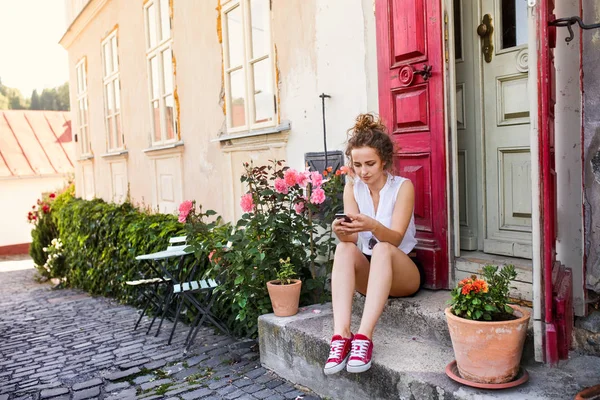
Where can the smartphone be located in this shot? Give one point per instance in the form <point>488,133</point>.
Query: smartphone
<point>343,216</point>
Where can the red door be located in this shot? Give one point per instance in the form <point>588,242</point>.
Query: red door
<point>558,282</point>
<point>411,104</point>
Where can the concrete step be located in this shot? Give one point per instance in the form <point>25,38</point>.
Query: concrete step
<point>423,316</point>
<point>409,361</point>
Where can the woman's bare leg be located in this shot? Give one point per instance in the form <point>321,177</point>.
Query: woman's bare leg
<point>392,273</point>
<point>349,265</point>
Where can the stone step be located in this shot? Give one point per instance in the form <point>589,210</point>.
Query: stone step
<point>405,365</point>
<point>423,316</point>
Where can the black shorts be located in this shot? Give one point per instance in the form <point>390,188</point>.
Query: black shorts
<point>419,267</point>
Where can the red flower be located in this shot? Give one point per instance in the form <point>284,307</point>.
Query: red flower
<point>52,195</point>
<point>46,208</point>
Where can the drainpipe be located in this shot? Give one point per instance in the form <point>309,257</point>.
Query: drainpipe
<point>536,226</point>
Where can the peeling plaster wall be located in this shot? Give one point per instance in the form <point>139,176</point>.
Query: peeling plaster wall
<point>324,46</point>
<point>198,84</point>
<point>321,46</point>
<point>591,146</point>
<point>569,244</point>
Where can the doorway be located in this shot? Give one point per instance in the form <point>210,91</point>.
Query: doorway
<point>493,135</point>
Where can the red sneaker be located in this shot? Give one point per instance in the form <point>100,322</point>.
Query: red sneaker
<point>338,354</point>
<point>360,356</point>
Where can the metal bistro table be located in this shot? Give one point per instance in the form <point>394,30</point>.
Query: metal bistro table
<point>183,287</point>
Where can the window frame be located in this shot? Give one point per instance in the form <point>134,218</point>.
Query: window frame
<point>83,124</point>
<point>112,78</point>
<point>247,67</point>
<point>156,51</point>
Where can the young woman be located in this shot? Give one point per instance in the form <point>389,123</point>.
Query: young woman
<point>372,256</point>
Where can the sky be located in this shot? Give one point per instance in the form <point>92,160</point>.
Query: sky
<point>30,56</point>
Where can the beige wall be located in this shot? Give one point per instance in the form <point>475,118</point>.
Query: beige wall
<point>305,35</point>
<point>17,196</point>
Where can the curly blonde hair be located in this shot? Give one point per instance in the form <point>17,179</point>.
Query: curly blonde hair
<point>369,131</point>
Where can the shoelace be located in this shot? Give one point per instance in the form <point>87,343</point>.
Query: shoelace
<point>359,348</point>
<point>336,349</point>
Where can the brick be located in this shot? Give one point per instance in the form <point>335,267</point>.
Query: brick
<point>153,384</point>
<point>253,388</point>
<point>263,394</point>
<point>144,378</point>
<point>113,387</point>
<point>256,373</point>
<point>197,394</point>
<point>242,382</point>
<point>155,365</point>
<point>87,384</point>
<point>86,394</point>
<point>115,376</point>
<point>53,392</point>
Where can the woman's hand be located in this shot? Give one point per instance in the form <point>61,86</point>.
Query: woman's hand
<point>360,223</point>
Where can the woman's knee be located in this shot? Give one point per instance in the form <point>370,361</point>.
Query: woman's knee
<point>346,252</point>
<point>345,249</point>
<point>383,249</point>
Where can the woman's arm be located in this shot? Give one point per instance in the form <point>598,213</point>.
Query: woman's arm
<point>403,211</point>
<point>350,207</point>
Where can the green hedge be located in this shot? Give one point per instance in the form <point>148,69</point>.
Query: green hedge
<point>101,241</point>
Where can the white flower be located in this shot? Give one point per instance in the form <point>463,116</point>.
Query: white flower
<point>45,249</point>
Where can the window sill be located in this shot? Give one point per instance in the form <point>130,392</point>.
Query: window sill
<point>283,126</point>
<point>164,147</point>
<point>118,153</point>
<point>86,157</point>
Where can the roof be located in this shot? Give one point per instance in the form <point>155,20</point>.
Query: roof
<point>35,143</point>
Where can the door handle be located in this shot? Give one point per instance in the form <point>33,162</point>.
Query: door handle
<point>425,72</point>
<point>485,30</point>
<point>407,74</point>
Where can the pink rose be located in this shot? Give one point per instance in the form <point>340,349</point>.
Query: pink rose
<point>317,196</point>
<point>302,178</point>
<point>299,207</point>
<point>184,210</point>
<point>247,203</point>
<point>316,179</point>
<point>290,177</point>
<point>281,186</point>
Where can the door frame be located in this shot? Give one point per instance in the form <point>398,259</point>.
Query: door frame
<point>535,145</point>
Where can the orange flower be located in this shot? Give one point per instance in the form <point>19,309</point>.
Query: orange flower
<point>329,169</point>
<point>325,173</point>
<point>466,289</point>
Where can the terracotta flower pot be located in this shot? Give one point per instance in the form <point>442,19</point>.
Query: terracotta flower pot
<point>284,298</point>
<point>488,351</point>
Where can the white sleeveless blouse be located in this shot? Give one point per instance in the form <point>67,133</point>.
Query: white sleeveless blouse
<point>387,200</point>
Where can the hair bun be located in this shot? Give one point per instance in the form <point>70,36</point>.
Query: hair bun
<point>368,122</point>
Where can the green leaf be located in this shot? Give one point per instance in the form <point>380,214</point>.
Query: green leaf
<point>239,279</point>
<point>508,309</point>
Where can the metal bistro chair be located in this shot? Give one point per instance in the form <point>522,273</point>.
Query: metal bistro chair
<point>174,252</point>
<point>187,289</point>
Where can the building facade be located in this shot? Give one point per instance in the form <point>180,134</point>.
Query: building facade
<point>493,112</point>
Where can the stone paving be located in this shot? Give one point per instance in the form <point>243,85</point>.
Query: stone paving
<point>65,344</point>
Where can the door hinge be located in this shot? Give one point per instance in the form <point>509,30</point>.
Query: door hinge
<point>446,41</point>
<point>75,138</point>
<point>275,103</point>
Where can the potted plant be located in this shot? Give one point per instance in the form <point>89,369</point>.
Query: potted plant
<point>284,291</point>
<point>487,333</point>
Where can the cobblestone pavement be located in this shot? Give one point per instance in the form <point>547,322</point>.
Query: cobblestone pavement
<point>65,344</point>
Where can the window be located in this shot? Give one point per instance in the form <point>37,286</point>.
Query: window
<point>160,71</point>
<point>82,107</point>
<point>248,65</point>
<point>112,93</point>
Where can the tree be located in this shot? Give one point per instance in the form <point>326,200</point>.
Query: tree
<point>62,97</point>
<point>15,99</point>
<point>35,101</point>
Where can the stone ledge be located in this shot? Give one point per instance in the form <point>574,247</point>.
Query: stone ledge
<point>404,366</point>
